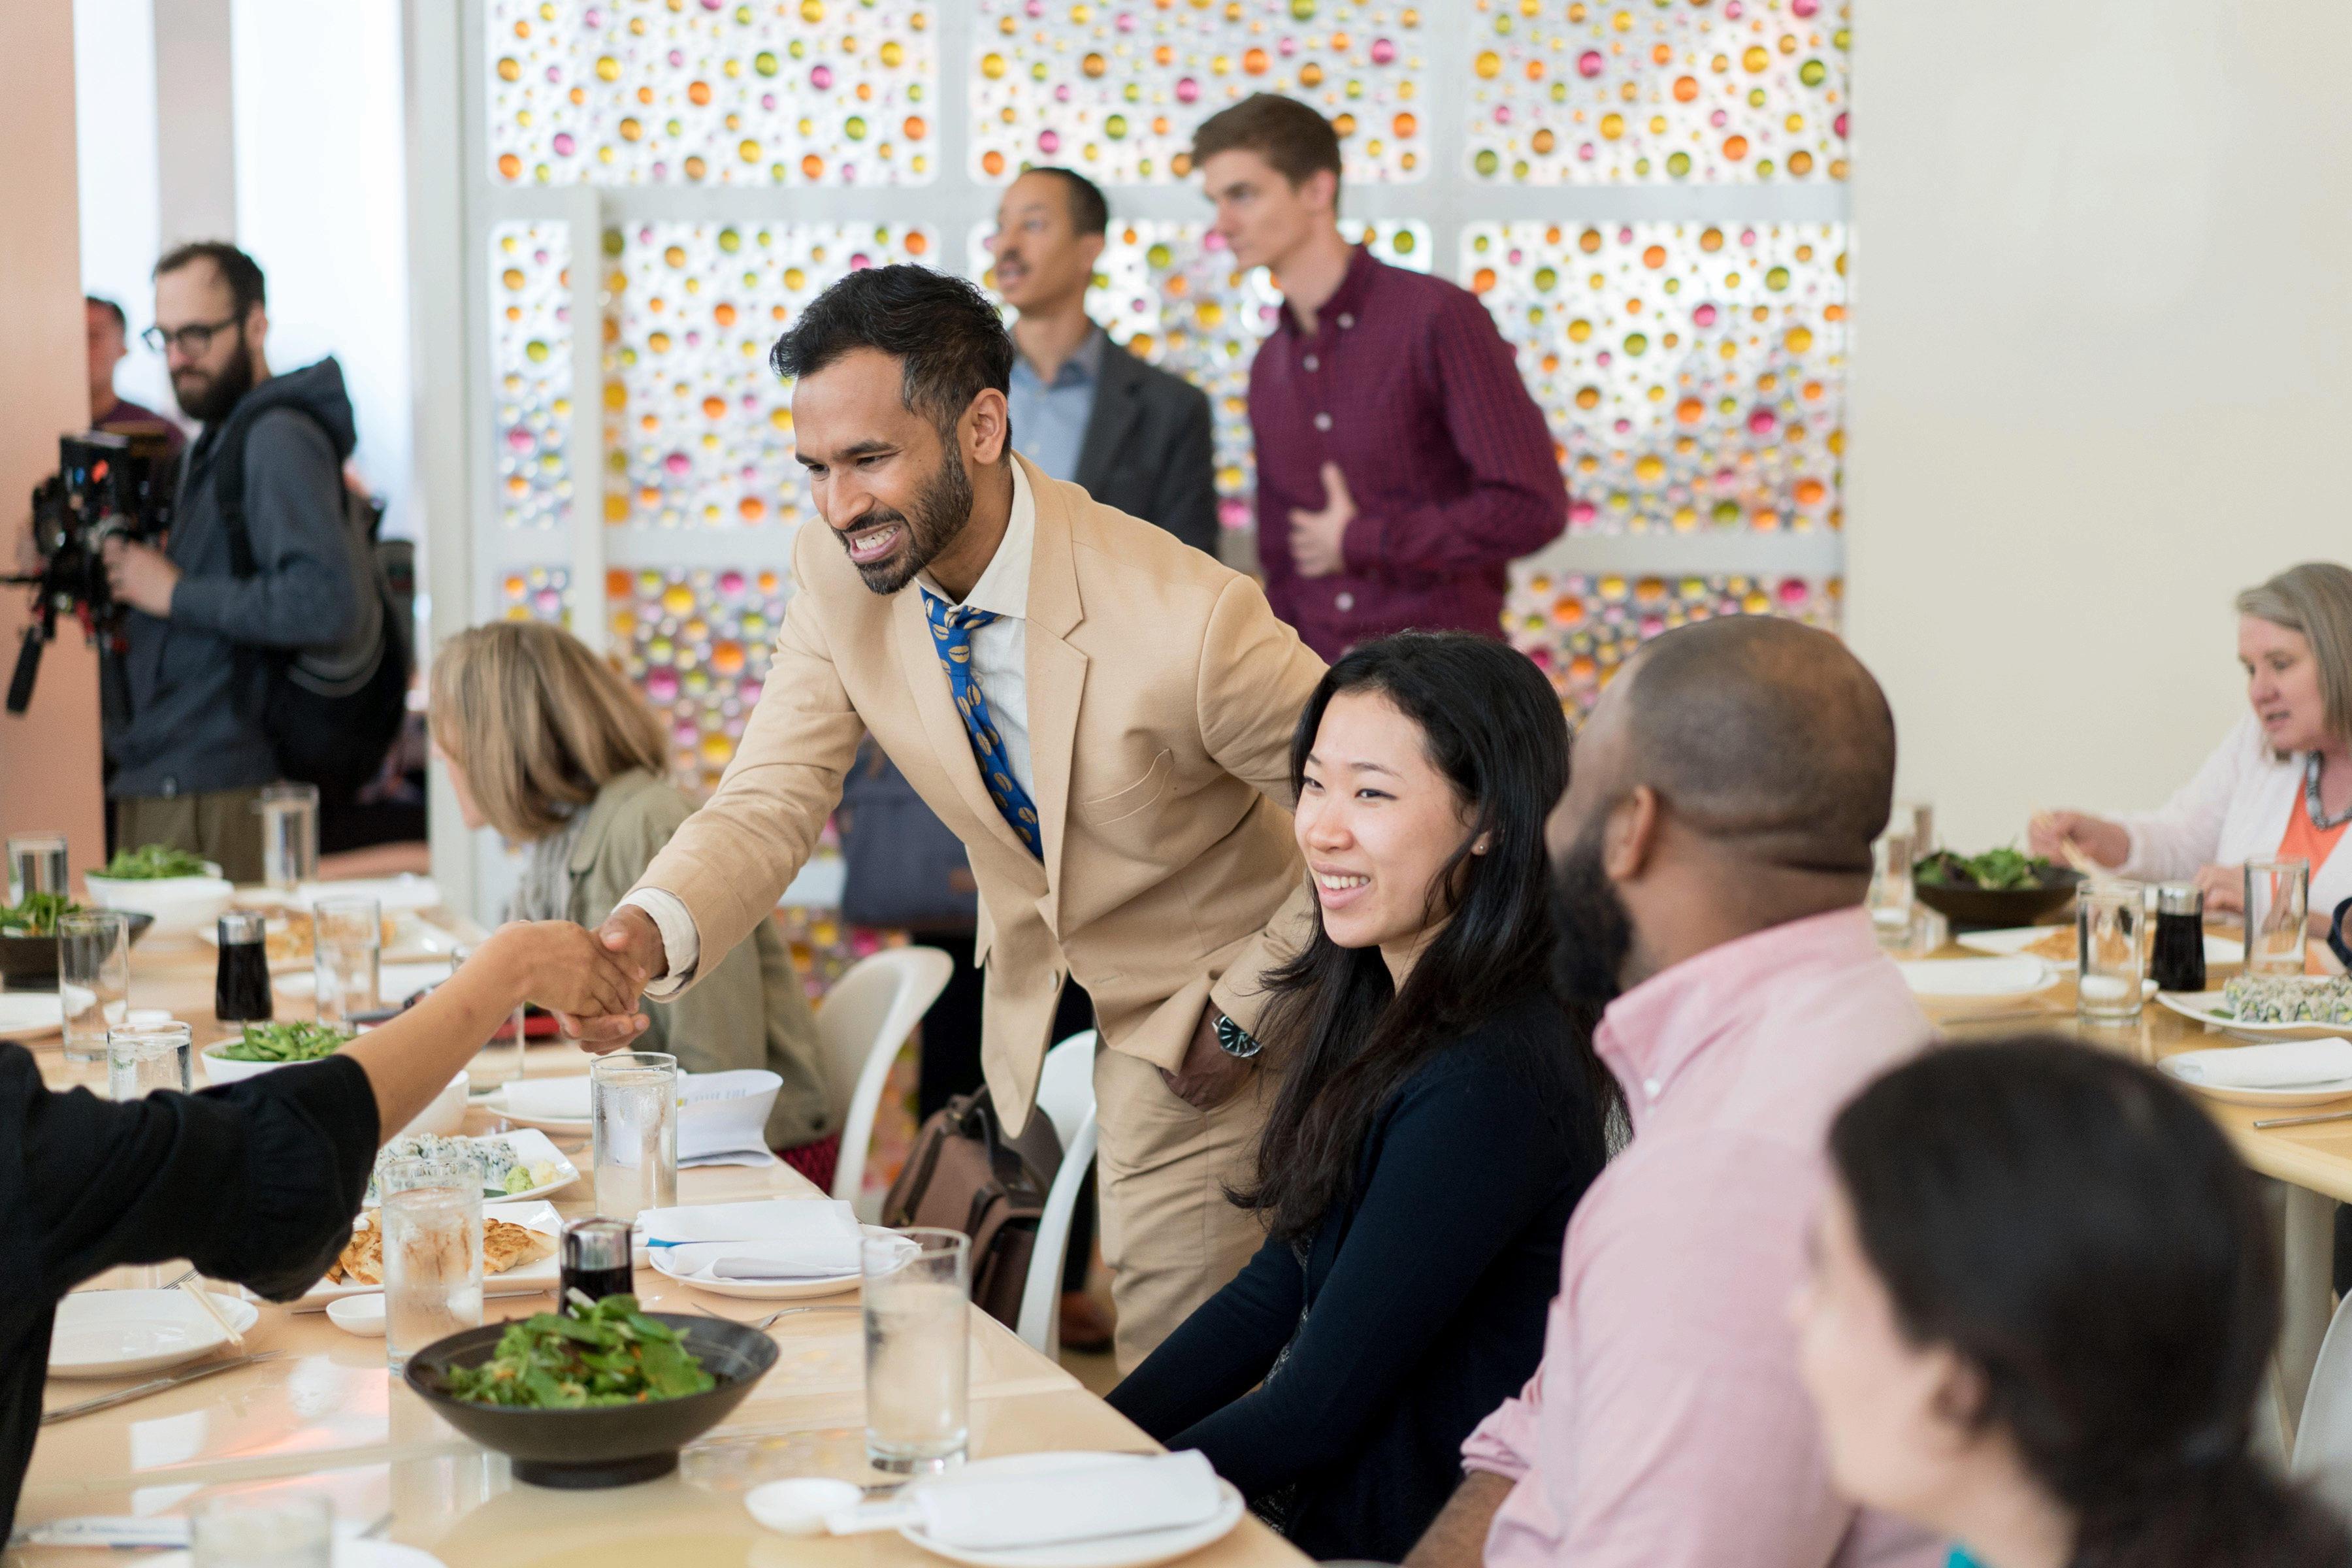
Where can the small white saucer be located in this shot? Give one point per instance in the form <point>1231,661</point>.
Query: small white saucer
<point>361,1315</point>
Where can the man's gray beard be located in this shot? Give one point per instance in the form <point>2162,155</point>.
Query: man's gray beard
<point>940,514</point>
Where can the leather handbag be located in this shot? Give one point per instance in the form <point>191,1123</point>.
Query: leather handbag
<point>964,1175</point>
<point>902,866</point>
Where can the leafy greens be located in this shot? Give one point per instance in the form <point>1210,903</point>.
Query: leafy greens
<point>149,862</point>
<point>2003,869</point>
<point>607,1353</point>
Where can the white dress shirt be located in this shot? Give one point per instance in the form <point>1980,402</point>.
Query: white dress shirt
<point>1000,663</point>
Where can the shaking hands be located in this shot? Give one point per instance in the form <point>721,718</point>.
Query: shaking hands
<point>600,1016</point>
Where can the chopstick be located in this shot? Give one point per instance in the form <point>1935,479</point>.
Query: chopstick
<point>2305,1120</point>
<point>212,1310</point>
<point>140,1391</point>
<point>2071,853</point>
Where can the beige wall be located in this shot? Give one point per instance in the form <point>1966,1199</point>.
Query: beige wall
<point>2103,378</point>
<point>49,757</point>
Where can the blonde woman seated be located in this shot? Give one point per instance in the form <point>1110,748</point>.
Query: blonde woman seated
<point>548,745</point>
<point>2280,786</point>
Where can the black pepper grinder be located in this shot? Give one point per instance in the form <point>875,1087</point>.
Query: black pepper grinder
<point>596,1259</point>
<point>241,982</point>
<point>2177,959</point>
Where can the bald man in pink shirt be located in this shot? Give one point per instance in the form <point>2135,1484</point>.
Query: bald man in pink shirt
<point>1710,859</point>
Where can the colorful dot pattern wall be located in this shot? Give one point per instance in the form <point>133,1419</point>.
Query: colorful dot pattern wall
<point>817,92</point>
<point>698,429</point>
<point>1170,294</point>
<point>1693,373</point>
<point>1579,627</point>
<point>698,642</point>
<point>1115,91</point>
<point>1733,91</point>
<point>531,357</point>
<point>538,593</point>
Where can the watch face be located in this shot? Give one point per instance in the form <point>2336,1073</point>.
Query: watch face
<point>1234,1040</point>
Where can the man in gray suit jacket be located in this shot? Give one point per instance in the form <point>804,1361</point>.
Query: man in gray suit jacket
<point>1083,408</point>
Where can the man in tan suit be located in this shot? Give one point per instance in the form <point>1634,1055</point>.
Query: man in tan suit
<point>1101,713</point>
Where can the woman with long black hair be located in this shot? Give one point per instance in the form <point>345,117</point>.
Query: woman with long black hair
<point>1439,1118</point>
<point>2041,1307</point>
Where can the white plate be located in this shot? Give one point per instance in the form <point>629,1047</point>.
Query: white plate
<point>757,1290</point>
<point>412,942</point>
<point>2199,1005</point>
<point>395,983</point>
<point>347,1554</point>
<point>2014,977</point>
<point>530,1146</point>
<point>2301,1094</point>
<point>495,1102</point>
<point>120,1334</point>
<point>529,1279</point>
<point>29,1014</point>
<point>2016,939</point>
<point>1136,1551</point>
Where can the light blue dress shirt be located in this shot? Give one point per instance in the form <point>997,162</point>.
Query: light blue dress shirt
<point>1049,423</point>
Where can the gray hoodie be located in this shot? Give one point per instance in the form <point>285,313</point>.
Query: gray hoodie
<point>192,722</point>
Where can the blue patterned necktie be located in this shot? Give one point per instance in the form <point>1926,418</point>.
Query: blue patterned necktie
<point>951,629</point>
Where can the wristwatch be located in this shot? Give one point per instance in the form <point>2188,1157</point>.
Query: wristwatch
<point>1234,1040</point>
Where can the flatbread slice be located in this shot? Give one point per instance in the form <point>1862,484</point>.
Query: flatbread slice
<point>361,1261</point>
<point>507,1245</point>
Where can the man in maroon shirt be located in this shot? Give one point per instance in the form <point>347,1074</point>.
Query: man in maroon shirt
<point>110,410</point>
<point>1401,465</point>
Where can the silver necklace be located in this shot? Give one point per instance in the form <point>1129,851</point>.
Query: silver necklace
<point>2311,799</point>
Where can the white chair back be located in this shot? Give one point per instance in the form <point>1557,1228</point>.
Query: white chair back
<point>1065,1093</point>
<point>865,1018</point>
<point>2323,1434</point>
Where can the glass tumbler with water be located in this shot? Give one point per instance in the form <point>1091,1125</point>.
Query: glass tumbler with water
<point>917,1350</point>
<point>1891,892</point>
<point>93,979</point>
<point>2110,942</point>
<point>263,1530</point>
<point>500,1060</point>
<point>431,1219</point>
<point>143,1057</point>
<point>36,864</point>
<point>2278,896</point>
<point>289,835</point>
<point>347,948</point>
<point>633,1117</point>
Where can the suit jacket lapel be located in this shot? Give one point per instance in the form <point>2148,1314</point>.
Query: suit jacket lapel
<point>951,741</point>
<point>1116,410</point>
<point>1057,670</point>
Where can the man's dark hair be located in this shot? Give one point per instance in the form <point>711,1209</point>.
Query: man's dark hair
<point>238,270</point>
<point>949,340</point>
<point>1089,213</point>
<point>121,322</point>
<point>1282,130</point>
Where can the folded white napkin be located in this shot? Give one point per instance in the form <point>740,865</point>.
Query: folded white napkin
<point>776,1239</point>
<point>726,1114</point>
<point>984,1513</point>
<point>549,1098</point>
<point>2287,1064</point>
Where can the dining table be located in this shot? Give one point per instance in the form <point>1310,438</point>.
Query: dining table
<point>324,1417</point>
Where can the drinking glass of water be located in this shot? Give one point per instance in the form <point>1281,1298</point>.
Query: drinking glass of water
<point>143,1057</point>
<point>500,1060</point>
<point>431,1219</point>
<point>263,1530</point>
<point>1891,892</point>
<point>347,949</point>
<point>2278,896</point>
<point>289,835</point>
<point>918,1349</point>
<point>36,864</point>
<point>633,1111</point>
<point>93,978</point>
<point>2109,937</point>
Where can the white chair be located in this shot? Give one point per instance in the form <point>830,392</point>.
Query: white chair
<point>2323,1434</point>
<point>865,1018</point>
<point>1065,1093</point>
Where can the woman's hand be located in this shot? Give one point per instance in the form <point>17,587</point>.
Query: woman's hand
<point>2224,887</point>
<point>2104,841</point>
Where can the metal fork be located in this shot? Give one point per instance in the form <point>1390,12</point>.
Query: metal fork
<point>770,1318</point>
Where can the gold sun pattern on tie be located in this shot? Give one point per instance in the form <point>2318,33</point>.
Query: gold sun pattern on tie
<point>951,629</point>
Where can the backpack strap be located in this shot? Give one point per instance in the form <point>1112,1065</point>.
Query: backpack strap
<point>229,496</point>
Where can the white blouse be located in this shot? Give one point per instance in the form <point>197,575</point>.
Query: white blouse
<point>2234,810</point>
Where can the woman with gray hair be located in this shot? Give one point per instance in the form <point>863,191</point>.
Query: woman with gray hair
<point>2280,784</point>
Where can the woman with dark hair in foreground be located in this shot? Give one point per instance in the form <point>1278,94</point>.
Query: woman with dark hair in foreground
<point>2041,1304</point>
<point>1440,1118</point>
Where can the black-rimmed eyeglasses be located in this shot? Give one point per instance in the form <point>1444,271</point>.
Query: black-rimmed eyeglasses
<point>191,340</point>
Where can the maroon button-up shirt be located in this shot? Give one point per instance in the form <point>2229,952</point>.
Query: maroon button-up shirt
<point>1406,384</point>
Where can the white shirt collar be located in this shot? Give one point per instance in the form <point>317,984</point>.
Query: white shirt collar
<point>1003,586</point>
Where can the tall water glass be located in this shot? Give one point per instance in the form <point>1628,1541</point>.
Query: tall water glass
<point>2108,940</point>
<point>500,1060</point>
<point>431,1219</point>
<point>1891,892</point>
<point>265,1529</point>
<point>918,1349</point>
<point>93,978</point>
<point>347,949</point>
<point>36,864</point>
<point>2278,896</point>
<point>1919,815</point>
<point>289,835</point>
<point>633,1111</point>
<point>143,1057</point>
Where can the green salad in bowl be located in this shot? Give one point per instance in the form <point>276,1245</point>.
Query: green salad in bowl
<point>294,1042</point>
<point>154,862</point>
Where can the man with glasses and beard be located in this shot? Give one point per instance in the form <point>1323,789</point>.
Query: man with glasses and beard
<point>1710,862</point>
<point>186,751</point>
<point>1100,712</point>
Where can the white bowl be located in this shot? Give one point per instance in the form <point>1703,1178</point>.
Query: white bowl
<point>361,1315</point>
<point>182,906</point>
<point>798,1507</point>
<point>445,1116</point>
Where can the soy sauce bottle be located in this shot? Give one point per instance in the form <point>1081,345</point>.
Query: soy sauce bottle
<point>241,982</point>
<point>2177,958</point>
<point>597,1260</point>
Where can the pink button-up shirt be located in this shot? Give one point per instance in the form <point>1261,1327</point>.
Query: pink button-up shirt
<point>1666,1426</point>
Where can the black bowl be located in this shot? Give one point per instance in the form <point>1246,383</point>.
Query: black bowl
<point>30,962</point>
<point>1982,908</point>
<point>610,1446</point>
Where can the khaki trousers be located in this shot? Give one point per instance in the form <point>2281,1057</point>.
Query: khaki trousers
<point>220,824</point>
<point>1169,1236</point>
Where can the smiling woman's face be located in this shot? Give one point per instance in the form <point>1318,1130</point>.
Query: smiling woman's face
<point>2282,685</point>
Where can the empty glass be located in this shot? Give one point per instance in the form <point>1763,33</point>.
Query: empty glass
<point>289,835</point>
<point>347,949</point>
<point>1891,890</point>
<point>2108,930</point>
<point>431,1219</point>
<point>36,864</point>
<point>2278,896</point>
<point>918,1349</point>
<point>263,1530</point>
<point>93,978</point>
<point>499,1061</point>
<point>633,1111</point>
<point>143,1057</point>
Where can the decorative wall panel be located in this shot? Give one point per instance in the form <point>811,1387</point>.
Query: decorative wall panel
<point>1694,372</point>
<point>537,593</point>
<point>1579,626</point>
<point>698,641</point>
<point>531,356</point>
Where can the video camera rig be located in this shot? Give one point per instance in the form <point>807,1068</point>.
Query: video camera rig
<point>106,486</point>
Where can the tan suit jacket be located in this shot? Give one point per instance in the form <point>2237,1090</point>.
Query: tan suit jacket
<point>1162,695</point>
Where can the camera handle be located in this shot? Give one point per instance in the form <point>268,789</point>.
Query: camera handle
<point>28,662</point>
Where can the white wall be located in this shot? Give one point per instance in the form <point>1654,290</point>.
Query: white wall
<point>321,204</point>
<point>114,132</point>
<point>2102,340</point>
